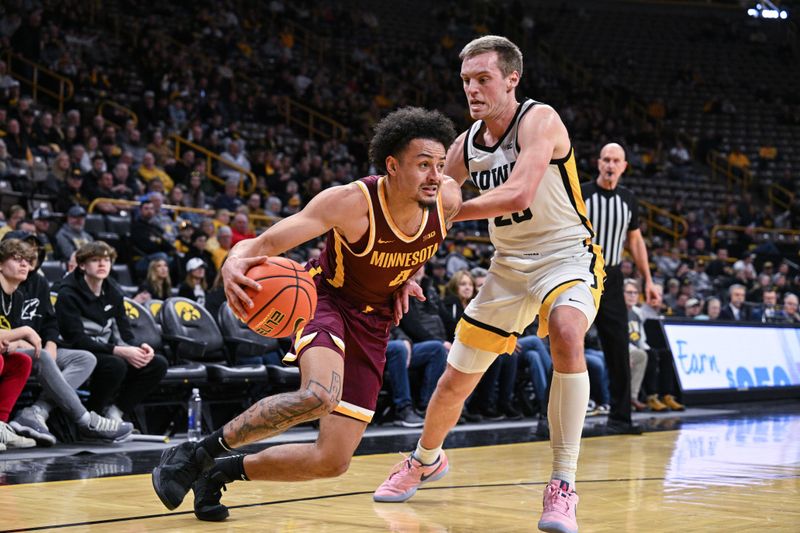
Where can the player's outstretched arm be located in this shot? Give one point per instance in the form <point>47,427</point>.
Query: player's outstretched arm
<point>541,137</point>
<point>335,207</point>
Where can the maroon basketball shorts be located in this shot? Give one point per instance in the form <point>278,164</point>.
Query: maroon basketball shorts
<point>360,338</point>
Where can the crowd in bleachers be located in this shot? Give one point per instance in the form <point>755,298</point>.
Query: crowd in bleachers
<point>216,74</point>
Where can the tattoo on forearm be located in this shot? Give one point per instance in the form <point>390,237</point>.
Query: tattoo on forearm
<point>275,414</point>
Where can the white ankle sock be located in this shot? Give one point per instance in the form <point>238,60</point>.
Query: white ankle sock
<point>84,420</point>
<point>569,395</point>
<point>426,456</point>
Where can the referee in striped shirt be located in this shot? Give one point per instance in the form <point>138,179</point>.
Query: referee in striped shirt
<point>614,213</point>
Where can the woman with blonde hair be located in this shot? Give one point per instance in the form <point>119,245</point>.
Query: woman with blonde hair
<point>459,291</point>
<point>157,284</point>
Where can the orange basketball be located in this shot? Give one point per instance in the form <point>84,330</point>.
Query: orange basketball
<point>286,301</point>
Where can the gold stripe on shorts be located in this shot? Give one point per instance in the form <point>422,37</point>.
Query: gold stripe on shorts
<point>544,311</point>
<point>354,411</point>
<point>474,334</point>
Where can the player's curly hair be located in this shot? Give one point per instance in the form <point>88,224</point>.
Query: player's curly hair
<point>395,131</point>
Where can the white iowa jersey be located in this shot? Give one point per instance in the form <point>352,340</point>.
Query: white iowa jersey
<point>555,219</point>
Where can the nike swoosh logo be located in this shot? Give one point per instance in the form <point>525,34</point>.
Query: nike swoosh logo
<point>381,241</point>
<point>424,478</point>
<point>573,300</point>
<point>106,308</point>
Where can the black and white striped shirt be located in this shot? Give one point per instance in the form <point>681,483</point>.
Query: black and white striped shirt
<point>612,214</point>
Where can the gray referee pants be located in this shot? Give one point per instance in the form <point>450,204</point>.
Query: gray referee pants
<point>60,377</point>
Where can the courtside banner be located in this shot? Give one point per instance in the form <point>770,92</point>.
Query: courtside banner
<point>739,358</point>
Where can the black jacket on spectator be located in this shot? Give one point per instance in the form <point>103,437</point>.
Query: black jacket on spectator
<point>451,314</point>
<point>423,322</point>
<point>149,239</point>
<point>727,314</point>
<point>13,318</point>
<point>37,310</point>
<point>90,322</point>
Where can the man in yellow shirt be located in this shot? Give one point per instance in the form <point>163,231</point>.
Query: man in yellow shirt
<point>149,171</point>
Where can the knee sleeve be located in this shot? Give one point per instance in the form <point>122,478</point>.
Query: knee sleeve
<point>468,359</point>
<point>580,297</point>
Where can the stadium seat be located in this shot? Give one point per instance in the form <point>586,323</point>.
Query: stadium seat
<point>194,336</point>
<point>180,378</point>
<point>95,224</point>
<point>246,343</point>
<point>53,270</point>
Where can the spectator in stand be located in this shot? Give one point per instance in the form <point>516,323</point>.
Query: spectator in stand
<point>16,258</point>
<point>160,150</point>
<point>16,141</point>
<point>125,185</point>
<point>712,308</point>
<point>673,291</point>
<point>234,154</point>
<point>105,189</point>
<point>59,168</point>
<point>229,198</point>
<point>148,238</point>
<point>693,308</point>
<point>735,309</point>
<point>59,370</point>
<point>273,207</point>
<point>456,260</point>
<point>197,248</point>
<point>790,308</point>
<point>91,316</point>
<point>764,281</point>
<point>637,347</point>
<point>667,263</point>
<point>720,266</point>
<point>16,213</point>
<point>240,228</point>
<point>402,356</point>
<point>768,311</point>
<point>225,243</point>
<point>180,171</point>
<point>185,231</point>
<point>149,171</point>
<point>535,357</point>
<point>194,286</point>
<point>41,221</point>
<point>73,192</point>
<point>479,275</point>
<point>157,284</point>
<point>738,160</point>
<point>72,236</point>
<point>460,290</point>
<point>194,195</point>
<point>15,368</point>
<point>254,208</point>
<point>659,377</point>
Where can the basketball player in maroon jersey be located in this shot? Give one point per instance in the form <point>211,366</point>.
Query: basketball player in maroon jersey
<point>380,231</point>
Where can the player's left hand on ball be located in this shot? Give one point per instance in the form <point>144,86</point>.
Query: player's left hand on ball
<point>409,288</point>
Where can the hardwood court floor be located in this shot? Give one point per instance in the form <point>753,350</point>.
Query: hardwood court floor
<point>730,475</point>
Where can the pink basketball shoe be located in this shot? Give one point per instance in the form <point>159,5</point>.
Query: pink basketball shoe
<point>407,476</point>
<point>560,503</point>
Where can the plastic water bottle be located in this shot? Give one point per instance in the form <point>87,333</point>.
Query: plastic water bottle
<point>195,427</point>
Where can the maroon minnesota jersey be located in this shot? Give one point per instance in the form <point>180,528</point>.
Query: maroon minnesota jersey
<point>367,272</point>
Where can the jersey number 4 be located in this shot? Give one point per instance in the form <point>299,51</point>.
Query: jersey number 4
<point>401,277</point>
<point>515,218</point>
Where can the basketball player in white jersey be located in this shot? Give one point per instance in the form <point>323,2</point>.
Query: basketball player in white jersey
<point>520,157</point>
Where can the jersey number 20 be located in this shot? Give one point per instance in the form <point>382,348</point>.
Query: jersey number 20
<point>515,218</point>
